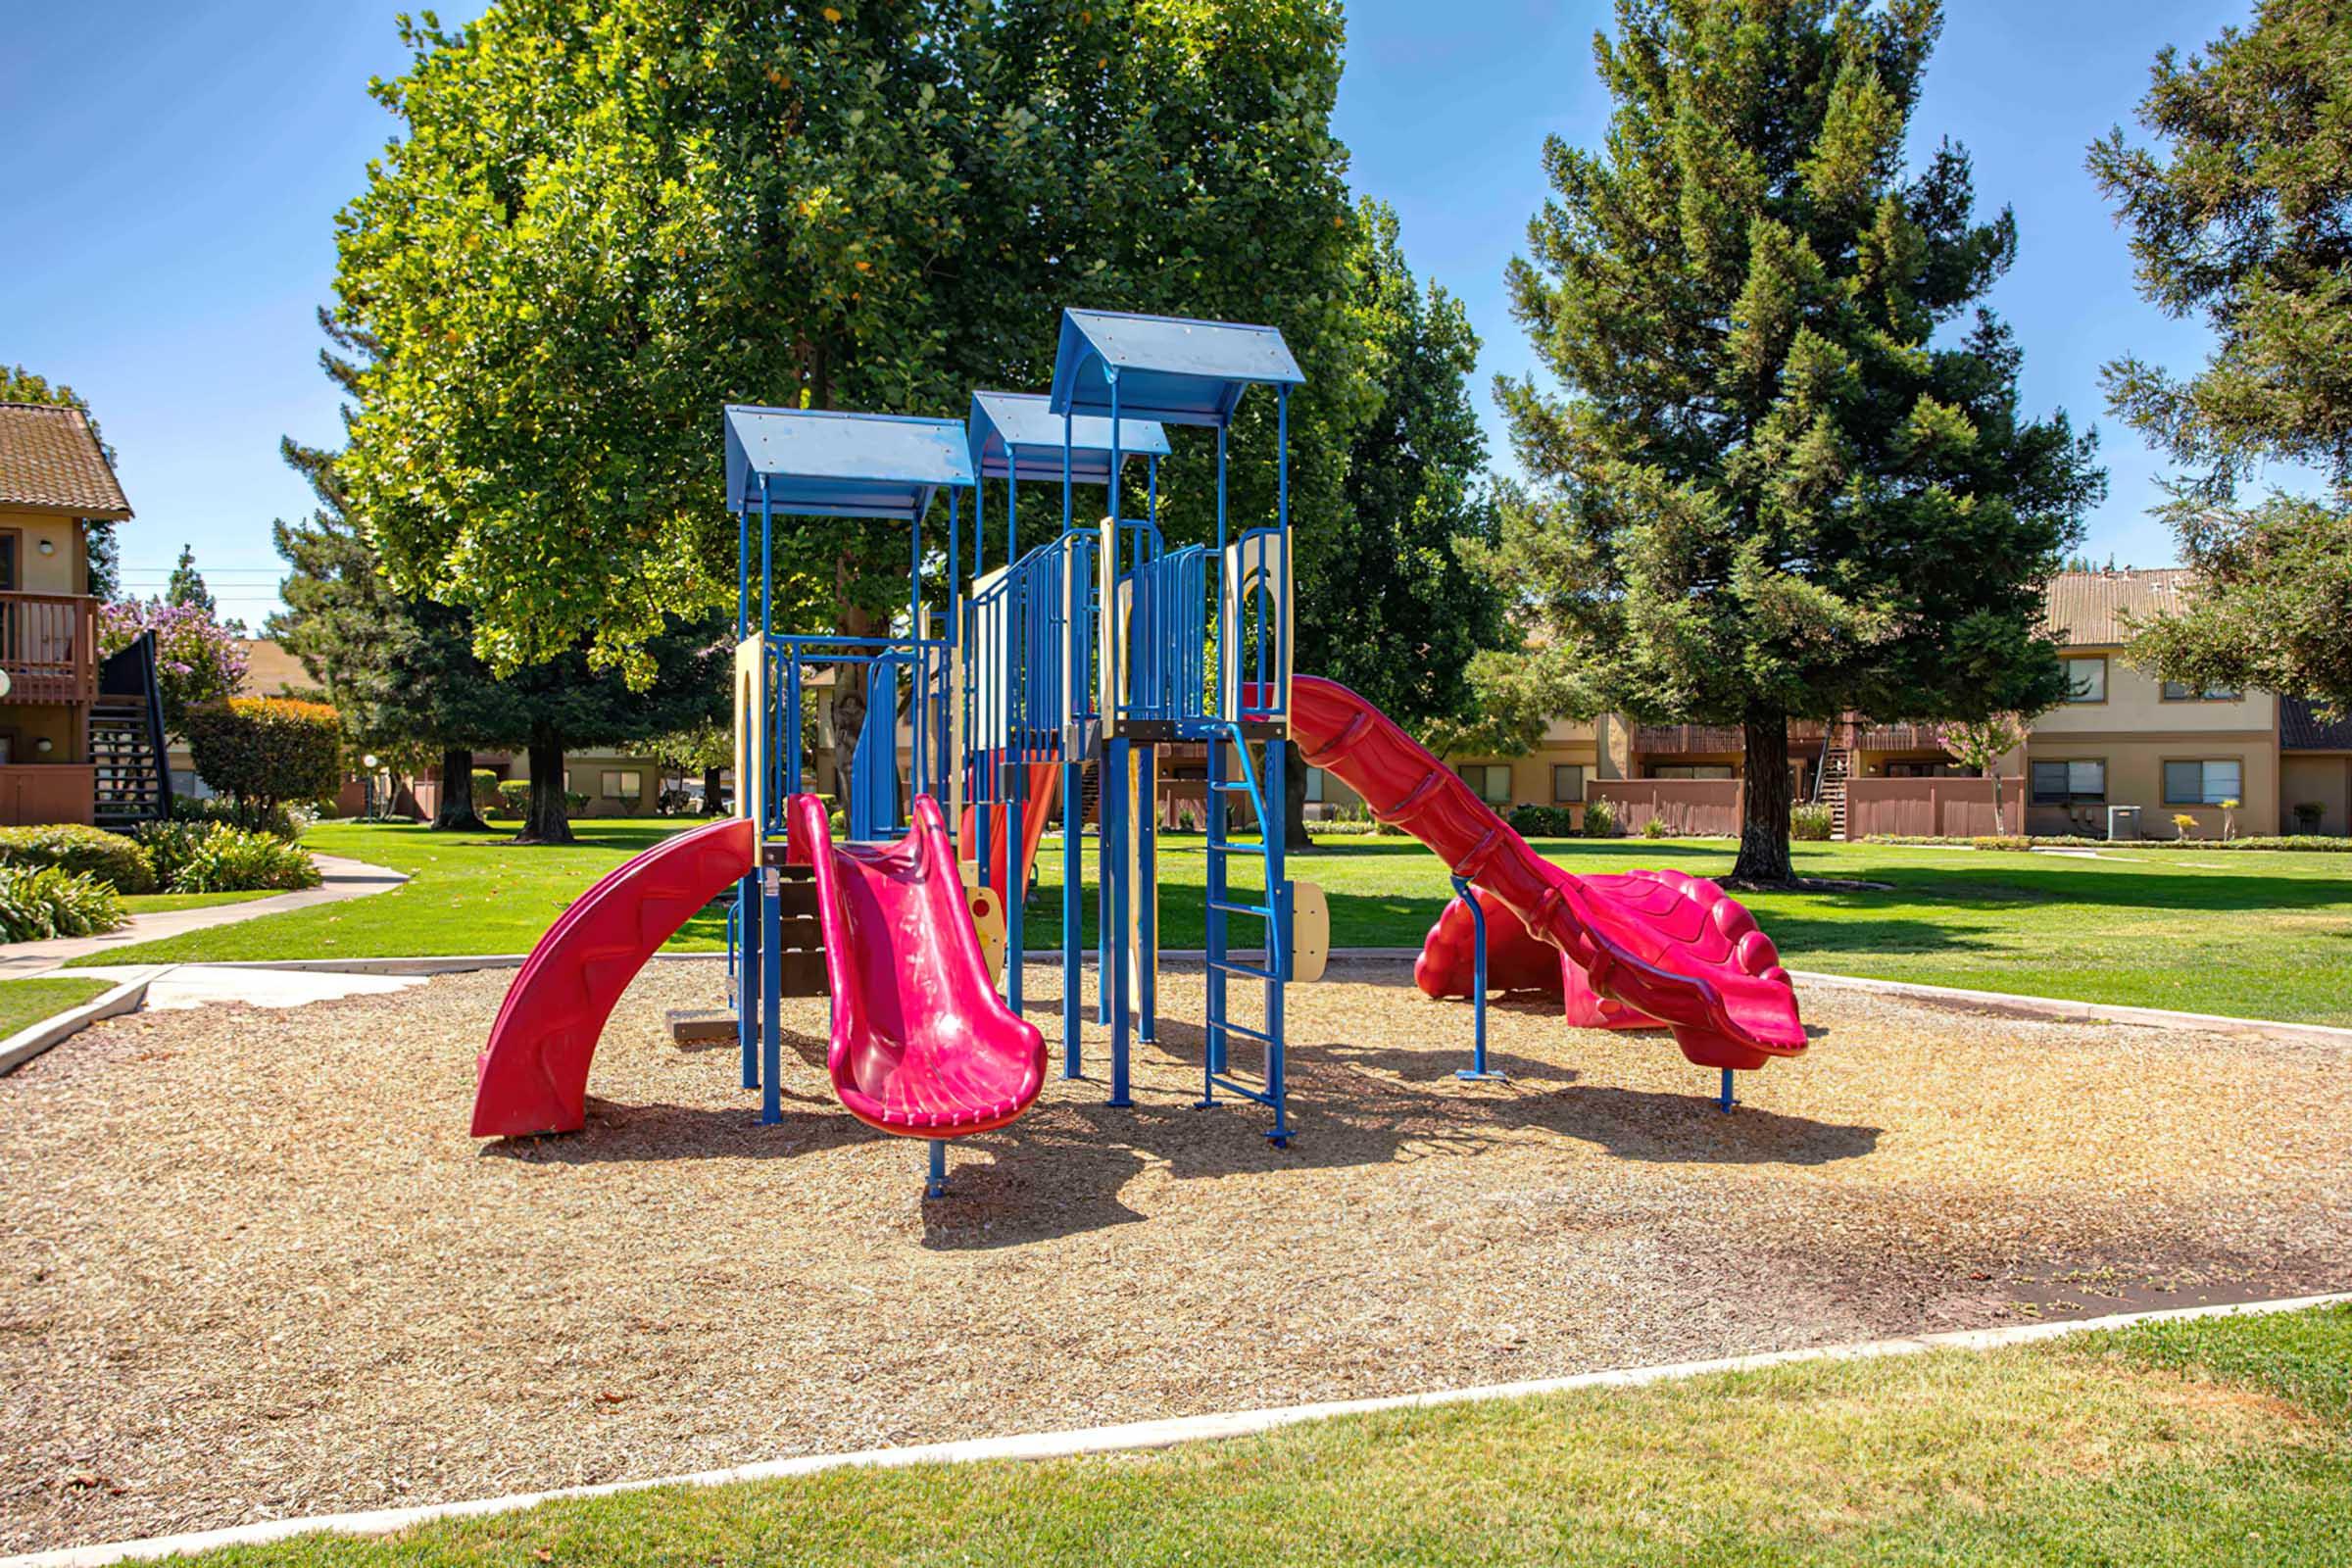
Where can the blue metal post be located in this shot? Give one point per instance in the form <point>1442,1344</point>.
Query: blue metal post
<point>1213,1052</point>
<point>1114,977</point>
<point>1016,753</point>
<point>748,976</point>
<point>1278,941</point>
<point>767,565</point>
<point>935,1180</point>
<point>1725,1101</point>
<point>771,977</point>
<point>743,568</point>
<point>1146,905</point>
<point>1478,987</point>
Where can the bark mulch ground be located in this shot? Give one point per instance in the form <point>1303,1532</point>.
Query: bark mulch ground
<point>251,1266</point>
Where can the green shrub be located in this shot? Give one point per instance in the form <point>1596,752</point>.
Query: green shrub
<point>485,789</point>
<point>264,750</point>
<point>1600,820</point>
<point>41,902</point>
<point>110,858</point>
<point>1655,829</point>
<point>1542,821</point>
<point>282,817</point>
<point>2001,841</point>
<point>216,857</point>
<point>1812,821</point>
<point>515,795</point>
<point>574,804</point>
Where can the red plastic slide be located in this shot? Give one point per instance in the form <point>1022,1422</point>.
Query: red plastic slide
<point>1041,793</point>
<point>532,1077</point>
<point>923,1046</point>
<point>1669,946</point>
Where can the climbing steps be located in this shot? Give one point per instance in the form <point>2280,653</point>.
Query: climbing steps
<point>1261,787</point>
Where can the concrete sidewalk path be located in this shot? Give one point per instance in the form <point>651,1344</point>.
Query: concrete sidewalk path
<point>195,985</point>
<point>343,879</point>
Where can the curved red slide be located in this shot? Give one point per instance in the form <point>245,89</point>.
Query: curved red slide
<point>532,1077</point>
<point>923,1046</point>
<point>1669,946</point>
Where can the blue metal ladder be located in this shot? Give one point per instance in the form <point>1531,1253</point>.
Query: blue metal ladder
<point>1263,789</point>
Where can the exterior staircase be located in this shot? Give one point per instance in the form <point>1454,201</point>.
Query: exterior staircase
<point>1829,785</point>
<point>126,741</point>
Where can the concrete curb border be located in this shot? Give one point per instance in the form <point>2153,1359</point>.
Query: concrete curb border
<point>33,1040</point>
<point>1129,1436</point>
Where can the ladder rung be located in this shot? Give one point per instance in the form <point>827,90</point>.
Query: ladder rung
<point>1258,909</point>
<point>1233,786</point>
<point>1243,1090</point>
<point>1238,849</point>
<point>1244,1030</point>
<point>1254,973</point>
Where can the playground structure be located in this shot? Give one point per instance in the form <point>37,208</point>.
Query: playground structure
<point>1092,649</point>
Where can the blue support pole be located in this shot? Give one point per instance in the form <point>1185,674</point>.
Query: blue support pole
<point>1072,859</point>
<point>771,985</point>
<point>1477,1070</point>
<point>750,976</point>
<point>1015,755</point>
<point>768,562</point>
<point>1213,1050</point>
<point>1146,905</point>
<point>1727,1099</point>
<point>935,1178</point>
<point>1115,978</point>
<point>1278,943</point>
<point>743,568</point>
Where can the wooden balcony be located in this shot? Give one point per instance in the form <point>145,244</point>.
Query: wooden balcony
<point>49,648</point>
<point>1701,740</point>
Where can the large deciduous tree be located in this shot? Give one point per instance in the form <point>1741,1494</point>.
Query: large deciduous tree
<point>2243,215</point>
<point>603,220</point>
<point>1777,480</point>
<point>1388,604</point>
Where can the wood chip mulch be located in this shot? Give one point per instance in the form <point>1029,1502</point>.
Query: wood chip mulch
<point>251,1266</point>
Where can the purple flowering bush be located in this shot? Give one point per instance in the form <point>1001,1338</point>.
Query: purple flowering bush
<point>197,660</point>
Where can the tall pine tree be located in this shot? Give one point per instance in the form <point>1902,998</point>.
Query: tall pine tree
<point>1769,486</point>
<point>2245,216</point>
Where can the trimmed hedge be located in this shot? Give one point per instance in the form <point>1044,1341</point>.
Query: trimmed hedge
<point>1544,821</point>
<point>282,818</point>
<point>215,857</point>
<point>1812,822</point>
<point>110,858</point>
<point>41,902</point>
<point>266,750</point>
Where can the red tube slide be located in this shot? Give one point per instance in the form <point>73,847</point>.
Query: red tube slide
<point>532,1077</point>
<point>923,1046</point>
<point>1668,947</point>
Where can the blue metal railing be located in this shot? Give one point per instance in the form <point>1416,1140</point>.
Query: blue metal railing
<point>792,663</point>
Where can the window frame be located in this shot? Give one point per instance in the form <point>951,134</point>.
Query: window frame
<point>1314,786</point>
<point>2071,795</point>
<point>606,776</point>
<point>2205,693</point>
<point>1485,776</point>
<point>2164,770</point>
<point>2100,660</point>
<point>1579,769</point>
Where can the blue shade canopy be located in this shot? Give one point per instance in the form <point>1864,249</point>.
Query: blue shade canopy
<point>820,464</point>
<point>1009,429</point>
<point>1170,370</point>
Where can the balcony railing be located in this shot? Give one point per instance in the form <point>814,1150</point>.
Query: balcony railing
<point>48,646</point>
<point>1804,735</point>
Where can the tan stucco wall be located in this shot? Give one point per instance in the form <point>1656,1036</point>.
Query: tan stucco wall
<point>2135,777</point>
<point>2135,706</point>
<point>36,722</point>
<point>61,571</point>
<point>586,770</point>
<point>2326,779</point>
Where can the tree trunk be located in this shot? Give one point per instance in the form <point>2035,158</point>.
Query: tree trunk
<point>712,790</point>
<point>456,812</point>
<point>545,820</point>
<point>1765,801</point>
<point>1293,804</point>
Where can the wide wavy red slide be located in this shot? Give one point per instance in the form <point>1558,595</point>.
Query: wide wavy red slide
<point>922,1045</point>
<point>1669,946</point>
<point>532,1077</point>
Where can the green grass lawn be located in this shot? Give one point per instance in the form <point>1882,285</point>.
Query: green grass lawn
<point>164,902</point>
<point>467,893</point>
<point>25,1002</point>
<point>2250,933</point>
<point>2222,1442</point>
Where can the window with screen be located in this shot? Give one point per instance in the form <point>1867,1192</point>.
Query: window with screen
<point>2086,679</point>
<point>622,785</point>
<point>2177,692</point>
<point>1314,786</point>
<point>1567,783</point>
<point>2070,783</point>
<point>1491,781</point>
<point>2203,783</point>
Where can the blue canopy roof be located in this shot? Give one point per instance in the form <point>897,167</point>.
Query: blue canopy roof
<point>823,463</point>
<point>1171,370</point>
<point>1021,427</point>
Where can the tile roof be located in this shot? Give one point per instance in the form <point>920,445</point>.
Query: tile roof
<point>2302,729</point>
<point>2089,607</point>
<point>50,462</point>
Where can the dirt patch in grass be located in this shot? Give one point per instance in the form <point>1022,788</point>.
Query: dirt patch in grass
<point>251,1266</point>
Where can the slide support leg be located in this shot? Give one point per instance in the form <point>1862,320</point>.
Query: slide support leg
<point>1478,988</point>
<point>1145,894</point>
<point>935,1178</point>
<point>747,976</point>
<point>1114,974</point>
<point>1727,1098</point>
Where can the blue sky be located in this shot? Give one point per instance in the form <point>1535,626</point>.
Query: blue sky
<point>170,183</point>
